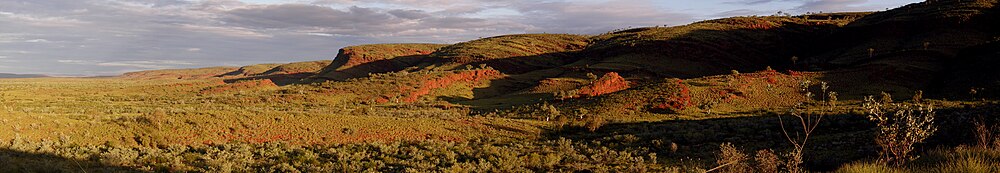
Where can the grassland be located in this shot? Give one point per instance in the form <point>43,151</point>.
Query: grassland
<point>112,124</point>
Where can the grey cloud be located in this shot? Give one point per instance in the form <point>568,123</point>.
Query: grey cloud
<point>595,17</point>
<point>756,2</point>
<point>740,12</point>
<point>409,14</point>
<point>831,5</point>
<point>301,15</point>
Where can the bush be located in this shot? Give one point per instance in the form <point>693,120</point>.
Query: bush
<point>732,159</point>
<point>900,126</point>
<point>767,161</point>
<point>594,122</point>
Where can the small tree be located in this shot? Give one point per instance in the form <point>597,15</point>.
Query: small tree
<point>900,126</point>
<point>973,91</point>
<point>809,122</point>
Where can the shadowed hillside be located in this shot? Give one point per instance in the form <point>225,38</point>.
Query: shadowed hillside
<point>512,54</point>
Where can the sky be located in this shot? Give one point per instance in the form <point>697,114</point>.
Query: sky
<point>110,37</point>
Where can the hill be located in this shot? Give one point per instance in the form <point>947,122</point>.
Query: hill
<point>11,75</point>
<point>513,54</point>
<point>359,61</point>
<point>195,73</point>
<point>280,73</point>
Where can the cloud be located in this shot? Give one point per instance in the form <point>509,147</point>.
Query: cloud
<point>739,12</point>
<point>409,14</point>
<point>73,61</point>
<point>145,64</point>
<point>756,2</point>
<point>238,32</point>
<point>833,5</point>
<point>153,64</point>
<point>41,20</point>
<point>37,41</point>
<point>596,17</point>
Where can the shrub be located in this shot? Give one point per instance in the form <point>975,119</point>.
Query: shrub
<point>984,134</point>
<point>731,159</point>
<point>900,126</point>
<point>594,122</point>
<point>767,161</point>
<point>548,111</point>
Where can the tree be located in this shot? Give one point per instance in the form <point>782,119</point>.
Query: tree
<point>809,122</point>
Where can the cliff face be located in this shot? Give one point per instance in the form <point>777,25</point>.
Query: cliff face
<point>359,61</point>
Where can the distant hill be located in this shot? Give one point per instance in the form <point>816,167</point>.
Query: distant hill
<point>196,73</point>
<point>279,73</point>
<point>10,75</point>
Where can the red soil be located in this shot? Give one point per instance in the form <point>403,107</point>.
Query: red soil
<point>609,83</point>
<point>473,76</point>
<point>678,101</point>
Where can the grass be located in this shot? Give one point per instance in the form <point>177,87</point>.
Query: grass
<point>97,111</point>
<point>958,159</point>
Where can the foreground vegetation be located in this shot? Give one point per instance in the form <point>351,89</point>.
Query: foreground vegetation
<point>171,125</point>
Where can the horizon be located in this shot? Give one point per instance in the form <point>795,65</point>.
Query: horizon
<point>109,37</point>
